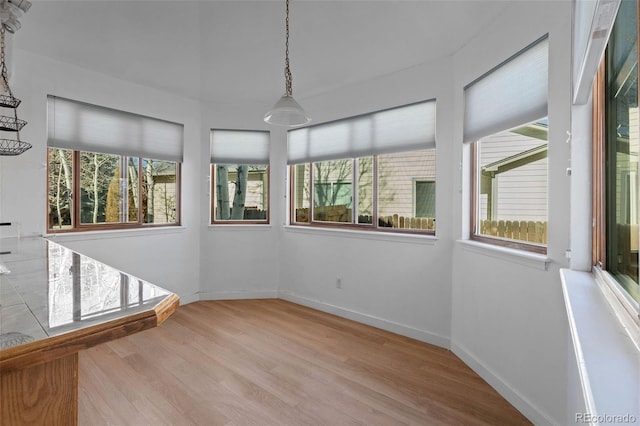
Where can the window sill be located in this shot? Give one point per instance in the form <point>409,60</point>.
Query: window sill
<point>608,361</point>
<point>367,235</point>
<point>115,233</point>
<point>239,227</point>
<point>531,260</point>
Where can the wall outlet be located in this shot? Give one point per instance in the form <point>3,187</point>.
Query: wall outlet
<point>338,282</point>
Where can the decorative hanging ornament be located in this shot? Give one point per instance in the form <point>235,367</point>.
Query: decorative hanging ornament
<point>9,123</point>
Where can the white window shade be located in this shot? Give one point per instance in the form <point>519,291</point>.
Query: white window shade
<point>512,94</point>
<point>239,147</point>
<point>406,128</point>
<point>84,127</point>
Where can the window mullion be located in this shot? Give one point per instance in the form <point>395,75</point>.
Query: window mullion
<point>124,190</point>
<point>75,195</point>
<point>474,189</point>
<point>140,192</point>
<point>354,190</point>
<point>311,192</point>
<point>374,213</point>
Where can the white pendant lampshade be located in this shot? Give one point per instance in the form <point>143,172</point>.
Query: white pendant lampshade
<point>286,112</point>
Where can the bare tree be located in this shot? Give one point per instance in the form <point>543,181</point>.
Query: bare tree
<point>240,193</point>
<point>96,173</point>
<point>150,185</point>
<point>132,166</point>
<point>328,176</point>
<point>60,186</point>
<point>222,192</point>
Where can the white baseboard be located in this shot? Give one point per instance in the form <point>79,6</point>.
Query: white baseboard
<point>237,295</point>
<point>528,409</point>
<point>403,330</point>
<point>185,299</point>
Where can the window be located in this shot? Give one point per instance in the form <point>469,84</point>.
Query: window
<point>425,198</point>
<point>616,148</point>
<point>505,122</point>
<point>510,190</point>
<point>108,169</point>
<point>239,177</point>
<point>375,171</point>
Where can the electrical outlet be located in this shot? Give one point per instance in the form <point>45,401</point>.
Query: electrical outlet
<point>338,282</point>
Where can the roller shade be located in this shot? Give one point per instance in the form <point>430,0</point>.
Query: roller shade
<point>405,128</point>
<point>512,94</point>
<point>239,147</point>
<point>85,127</point>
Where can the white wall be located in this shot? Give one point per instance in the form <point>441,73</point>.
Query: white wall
<point>240,261</point>
<point>167,257</point>
<point>501,314</point>
<point>400,283</point>
<point>508,317</point>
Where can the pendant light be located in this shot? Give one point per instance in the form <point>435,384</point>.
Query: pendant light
<point>287,112</point>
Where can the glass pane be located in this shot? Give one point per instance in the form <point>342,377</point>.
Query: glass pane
<point>133,180</point>
<point>398,198</point>
<point>60,175</point>
<point>99,188</point>
<point>301,192</point>
<point>365,189</point>
<point>333,191</point>
<point>622,150</point>
<point>159,191</point>
<point>425,199</point>
<point>241,192</point>
<point>511,195</point>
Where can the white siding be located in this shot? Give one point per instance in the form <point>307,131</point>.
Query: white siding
<point>521,192</point>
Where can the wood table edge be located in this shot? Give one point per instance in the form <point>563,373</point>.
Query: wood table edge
<point>54,347</point>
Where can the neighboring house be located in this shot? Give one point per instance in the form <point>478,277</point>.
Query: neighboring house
<point>406,185</point>
<point>164,193</point>
<point>514,178</point>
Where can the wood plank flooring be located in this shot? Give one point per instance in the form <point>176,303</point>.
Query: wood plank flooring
<point>271,362</point>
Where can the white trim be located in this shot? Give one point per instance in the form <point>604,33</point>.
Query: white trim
<point>394,327</point>
<point>423,239</point>
<point>115,233</point>
<point>191,298</point>
<point>238,295</point>
<point>620,303</point>
<point>521,257</point>
<point>608,361</point>
<point>217,227</point>
<point>522,404</point>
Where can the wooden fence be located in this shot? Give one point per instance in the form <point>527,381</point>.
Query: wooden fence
<point>533,232</point>
<point>342,214</point>
<point>402,222</point>
<point>530,231</point>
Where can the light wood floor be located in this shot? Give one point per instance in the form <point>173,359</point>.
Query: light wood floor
<point>271,362</point>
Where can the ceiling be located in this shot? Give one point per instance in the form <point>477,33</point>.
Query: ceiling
<point>233,51</point>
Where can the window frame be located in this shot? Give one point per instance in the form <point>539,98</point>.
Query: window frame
<point>77,226</point>
<point>212,205</point>
<point>474,232</point>
<point>615,293</point>
<point>374,226</point>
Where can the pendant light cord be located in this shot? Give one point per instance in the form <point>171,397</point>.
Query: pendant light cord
<point>287,71</point>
